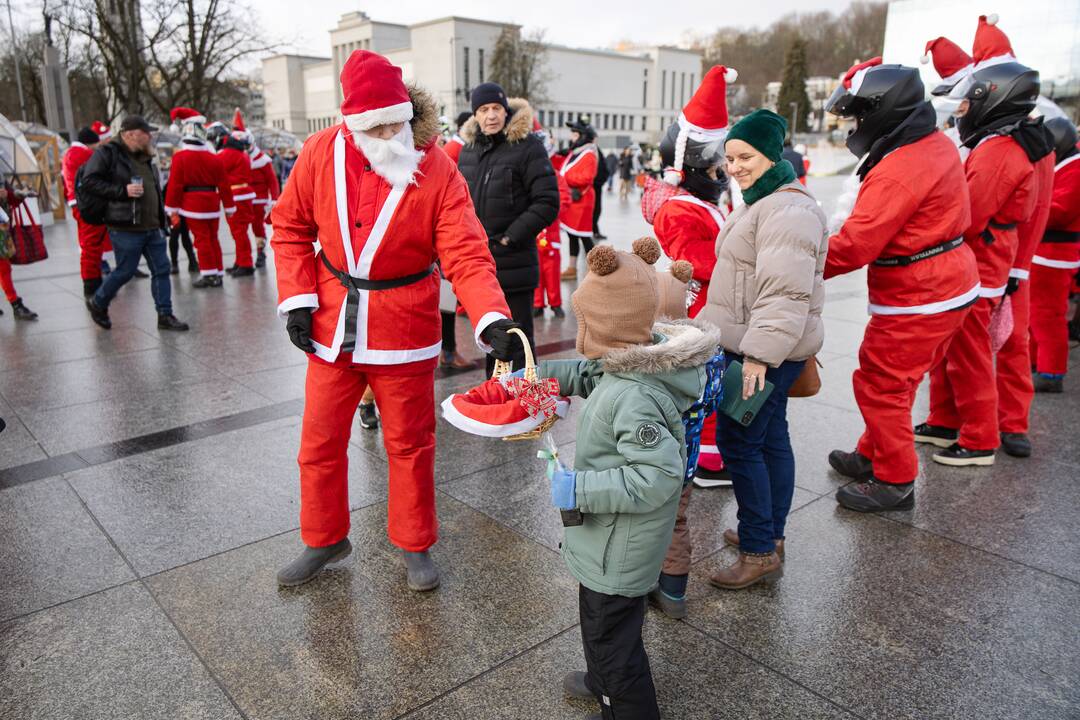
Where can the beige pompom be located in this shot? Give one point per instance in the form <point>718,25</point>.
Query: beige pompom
<point>682,270</point>
<point>602,260</point>
<point>648,249</point>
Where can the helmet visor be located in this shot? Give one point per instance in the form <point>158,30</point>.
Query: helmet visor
<point>844,104</point>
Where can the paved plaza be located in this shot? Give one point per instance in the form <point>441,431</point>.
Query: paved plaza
<point>149,492</point>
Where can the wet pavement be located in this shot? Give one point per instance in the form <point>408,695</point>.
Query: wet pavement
<point>148,493</point>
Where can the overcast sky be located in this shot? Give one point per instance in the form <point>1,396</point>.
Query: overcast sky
<point>303,26</point>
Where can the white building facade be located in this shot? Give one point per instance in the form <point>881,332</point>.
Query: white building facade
<point>629,96</point>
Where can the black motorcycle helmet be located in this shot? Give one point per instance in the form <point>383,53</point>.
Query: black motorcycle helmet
<point>698,154</point>
<point>585,131</point>
<point>887,95</point>
<point>998,92</point>
<point>217,134</point>
<point>1065,137</point>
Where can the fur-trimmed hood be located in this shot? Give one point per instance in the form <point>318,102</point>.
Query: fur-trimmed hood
<point>425,121</point>
<point>683,344</point>
<point>518,126</point>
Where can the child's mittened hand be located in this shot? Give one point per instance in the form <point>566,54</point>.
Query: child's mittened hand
<point>563,489</point>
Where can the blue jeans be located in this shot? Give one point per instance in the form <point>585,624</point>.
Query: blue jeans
<point>129,247</point>
<point>761,462</point>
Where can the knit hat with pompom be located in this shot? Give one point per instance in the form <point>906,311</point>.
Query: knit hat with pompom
<point>616,302</point>
<point>673,286</point>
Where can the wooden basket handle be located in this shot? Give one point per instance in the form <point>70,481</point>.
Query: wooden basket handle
<point>504,366</point>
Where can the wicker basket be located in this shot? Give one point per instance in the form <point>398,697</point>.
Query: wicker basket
<point>502,367</point>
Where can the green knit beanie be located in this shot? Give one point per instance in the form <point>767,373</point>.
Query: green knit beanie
<point>762,129</point>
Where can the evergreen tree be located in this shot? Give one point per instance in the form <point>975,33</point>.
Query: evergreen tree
<point>793,86</point>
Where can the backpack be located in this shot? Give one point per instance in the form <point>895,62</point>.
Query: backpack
<point>601,169</point>
<point>92,208</point>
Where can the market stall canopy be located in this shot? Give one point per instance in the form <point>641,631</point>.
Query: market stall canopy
<point>16,155</point>
<point>277,140</point>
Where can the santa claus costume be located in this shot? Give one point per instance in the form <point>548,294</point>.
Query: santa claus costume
<point>93,239</point>
<point>232,149</point>
<point>365,307</point>
<point>906,228</point>
<point>197,190</point>
<point>549,242</point>
<point>265,184</point>
<point>1055,264</point>
<point>579,170</point>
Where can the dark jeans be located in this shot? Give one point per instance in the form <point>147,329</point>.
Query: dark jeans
<point>129,247</point>
<point>618,667</point>
<point>521,309</point>
<point>574,239</point>
<point>449,339</point>
<point>597,207</point>
<point>761,462</point>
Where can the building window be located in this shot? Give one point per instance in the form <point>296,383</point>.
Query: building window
<point>631,123</point>
<point>480,63</point>
<point>560,118</point>
<point>622,122</point>
<point>644,123</point>
<point>663,88</point>
<point>682,90</point>
<point>466,68</point>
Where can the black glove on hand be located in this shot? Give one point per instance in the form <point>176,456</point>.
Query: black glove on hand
<point>575,194</point>
<point>504,345</point>
<point>1013,286</point>
<point>299,327</point>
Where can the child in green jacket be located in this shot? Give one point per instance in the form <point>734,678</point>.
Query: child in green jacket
<point>639,379</point>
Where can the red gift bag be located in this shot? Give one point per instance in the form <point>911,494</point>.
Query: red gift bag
<point>27,237</point>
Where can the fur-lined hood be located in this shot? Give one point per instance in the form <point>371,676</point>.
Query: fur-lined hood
<point>425,121</point>
<point>518,126</point>
<point>684,344</point>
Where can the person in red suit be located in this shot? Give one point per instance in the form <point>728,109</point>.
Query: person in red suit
<point>907,228</point>
<point>93,239</point>
<point>549,242</point>
<point>232,149</point>
<point>1004,190</point>
<point>1055,264</point>
<point>454,144</point>
<point>8,200</point>
<point>365,307</point>
<point>196,191</point>
<point>579,171</point>
<point>265,184</point>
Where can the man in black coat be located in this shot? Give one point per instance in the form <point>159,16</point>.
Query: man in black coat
<point>515,193</point>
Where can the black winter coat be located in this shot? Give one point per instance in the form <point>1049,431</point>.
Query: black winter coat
<point>107,174</point>
<point>515,193</point>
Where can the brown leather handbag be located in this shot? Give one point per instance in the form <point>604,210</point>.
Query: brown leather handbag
<point>808,383</point>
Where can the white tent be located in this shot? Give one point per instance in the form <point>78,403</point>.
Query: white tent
<point>16,155</point>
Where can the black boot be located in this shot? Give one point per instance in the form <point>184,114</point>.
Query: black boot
<point>243,272</point>
<point>1046,384</point>
<point>260,260</point>
<point>872,495</point>
<point>21,312</point>
<point>311,562</point>
<point>174,266</point>
<point>538,312</point>
<point>1016,444</point>
<point>97,314</point>
<point>169,322</point>
<point>369,419</point>
<point>851,464</point>
<point>207,281</point>
<point>936,435</point>
<point>89,287</point>
<point>420,571</point>
<point>558,312</point>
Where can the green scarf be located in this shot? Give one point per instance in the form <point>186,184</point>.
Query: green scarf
<point>778,175</point>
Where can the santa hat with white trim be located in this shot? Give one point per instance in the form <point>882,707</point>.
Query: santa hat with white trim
<point>704,119</point>
<point>494,408</point>
<point>104,132</point>
<point>950,61</point>
<point>182,115</point>
<point>373,92</point>
<point>992,46</point>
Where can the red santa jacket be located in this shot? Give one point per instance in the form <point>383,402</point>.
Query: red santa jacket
<point>1060,246</point>
<point>553,233</point>
<point>1030,232</point>
<point>1001,183</point>
<point>197,186</point>
<point>453,148</point>
<point>237,166</point>
<point>915,199</point>
<point>687,228</point>
<point>263,179</point>
<point>75,157</point>
<point>391,233</point>
<point>579,170</point>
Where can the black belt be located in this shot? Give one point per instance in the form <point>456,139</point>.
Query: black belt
<point>353,285</point>
<point>1061,236</point>
<point>988,236</point>
<point>902,260</point>
<point>200,188</point>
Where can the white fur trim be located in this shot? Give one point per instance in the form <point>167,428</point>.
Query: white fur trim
<point>1066,161</point>
<point>1058,264</point>
<point>991,62</point>
<point>673,177</point>
<point>925,60</point>
<point>572,231</point>
<point>731,75</point>
<point>993,292</point>
<point>216,214</point>
<point>718,213</point>
<point>1019,274</point>
<point>992,19</point>
<point>402,112</point>
<point>262,160</point>
<point>475,427</point>
<point>958,75</point>
<point>245,196</point>
<point>483,325</point>
<point>193,120</point>
<point>79,144</point>
<point>72,203</point>
<point>308,300</point>
<point>680,145</point>
<point>930,308</point>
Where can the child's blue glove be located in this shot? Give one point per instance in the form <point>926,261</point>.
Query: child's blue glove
<point>563,489</point>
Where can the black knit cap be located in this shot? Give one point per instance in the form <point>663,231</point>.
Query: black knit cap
<point>87,136</point>
<point>488,92</point>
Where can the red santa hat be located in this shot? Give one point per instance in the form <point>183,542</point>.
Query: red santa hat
<point>504,407</point>
<point>181,115</point>
<point>373,92</point>
<point>704,118</point>
<point>104,132</point>
<point>950,61</point>
<point>992,46</point>
<point>853,78</point>
<point>238,121</point>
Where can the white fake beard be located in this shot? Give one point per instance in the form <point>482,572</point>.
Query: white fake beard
<point>395,160</point>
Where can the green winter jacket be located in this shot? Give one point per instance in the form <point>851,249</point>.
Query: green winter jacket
<point>631,453</point>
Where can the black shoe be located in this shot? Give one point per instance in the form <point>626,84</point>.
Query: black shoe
<point>311,562</point>
<point>142,275</point>
<point>98,315</point>
<point>872,495</point>
<point>573,684</point>
<point>936,435</point>
<point>193,266</point>
<point>958,456</point>
<point>852,465</point>
<point>1045,384</point>
<point>712,478</point>
<point>169,322</point>
<point>231,270</point>
<point>558,312</point>
<point>174,266</point>
<point>243,272</point>
<point>1016,444</point>
<point>674,609</point>
<point>369,419</point>
<point>89,287</point>
<point>260,260</point>
<point>538,312</point>
<point>207,281</point>
<point>598,236</point>
<point>421,574</point>
<point>20,312</point>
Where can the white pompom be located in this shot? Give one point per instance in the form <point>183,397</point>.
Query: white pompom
<point>992,19</point>
<point>673,177</point>
<point>925,59</point>
<point>731,75</point>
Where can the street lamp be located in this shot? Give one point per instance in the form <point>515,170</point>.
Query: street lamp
<point>15,55</point>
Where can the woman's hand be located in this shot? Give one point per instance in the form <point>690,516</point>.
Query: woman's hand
<point>753,374</point>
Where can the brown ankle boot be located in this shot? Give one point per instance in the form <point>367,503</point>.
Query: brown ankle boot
<point>569,273</point>
<point>731,537</point>
<point>747,570</point>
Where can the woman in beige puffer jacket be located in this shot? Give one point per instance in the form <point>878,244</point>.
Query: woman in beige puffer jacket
<point>766,295</point>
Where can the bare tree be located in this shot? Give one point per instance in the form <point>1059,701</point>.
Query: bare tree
<point>519,64</point>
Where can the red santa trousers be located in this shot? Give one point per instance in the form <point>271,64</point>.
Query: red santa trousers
<point>93,243</point>
<point>407,406</point>
<point>239,222</point>
<point>6,283</point>
<point>550,262</point>
<point>963,390</point>
<point>896,353</point>
<point>207,245</point>
<point>1049,324</point>
<point>1014,387</point>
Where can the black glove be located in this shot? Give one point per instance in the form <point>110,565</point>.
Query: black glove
<point>504,344</point>
<point>299,327</point>
<point>575,194</point>
<point>1013,286</point>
